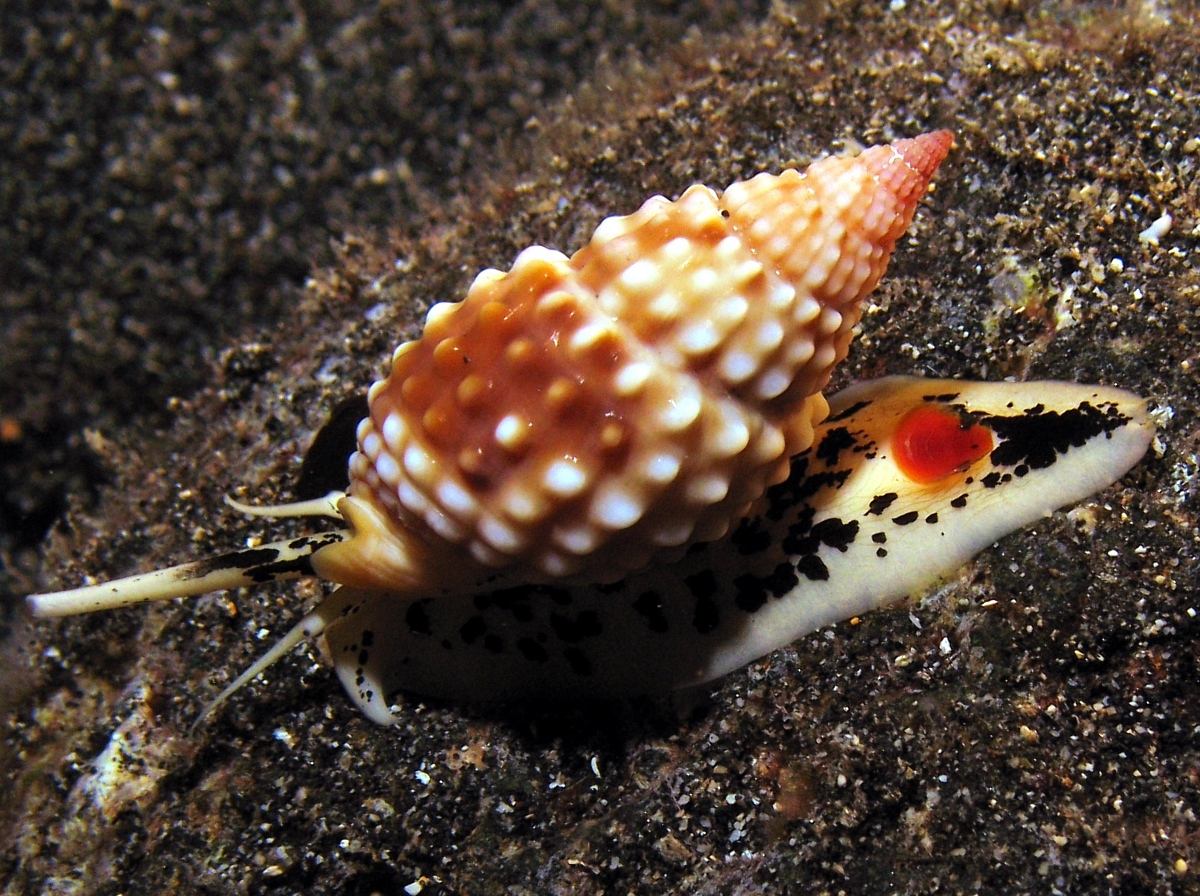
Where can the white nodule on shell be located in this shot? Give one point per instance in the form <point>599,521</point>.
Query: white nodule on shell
<point>710,529</point>
<point>821,265</point>
<point>555,565</point>
<point>394,432</point>
<point>520,350</point>
<point>577,540</point>
<point>457,500</point>
<point>731,312</point>
<point>800,352</point>
<point>614,507</point>
<point>550,303</point>
<point>737,367</point>
<point>843,197</point>
<point>539,253</point>
<point>699,337</point>
<point>419,465</point>
<point>704,279</point>
<point>373,392</point>
<point>483,280</point>
<point>709,489</point>
<point>746,271</point>
<point>730,247</point>
<point>512,432</point>
<point>590,334</point>
<point>438,312</point>
<point>661,468</point>
<point>499,535</point>
<point>364,426</point>
<point>671,535</point>
<point>403,349</point>
<point>443,525</point>
<point>616,226</point>
<point>371,444</point>
<point>779,245</point>
<point>768,336</point>
<point>806,311</point>
<point>676,251</point>
<point>769,445</point>
<point>707,194</point>
<point>472,391</point>
<point>772,384</point>
<point>522,504</point>
<point>833,234</point>
<point>485,555</point>
<point>357,465</point>
<point>565,478</point>
<point>680,412</point>
<point>411,498</point>
<point>642,276</point>
<point>388,469</point>
<point>782,297</point>
<point>609,229</point>
<point>831,320</point>
<point>631,379</point>
<point>824,357</point>
<point>389,499</point>
<point>732,437</point>
<point>665,306</point>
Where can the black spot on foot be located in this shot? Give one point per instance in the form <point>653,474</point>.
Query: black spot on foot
<point>473,629</point>
<point>707,616</point>
<point>585,625</point>
<point>532,650</point>
<point>649,606</point>
<point>578,661</point>
<point>417,619</point>
<point>880,503</point>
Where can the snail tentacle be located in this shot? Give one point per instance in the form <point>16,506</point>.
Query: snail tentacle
<point>311,626</point>
<point>323,506</point>
<point>280,560</point>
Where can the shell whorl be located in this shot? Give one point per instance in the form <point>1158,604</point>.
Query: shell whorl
<point>575,417</point>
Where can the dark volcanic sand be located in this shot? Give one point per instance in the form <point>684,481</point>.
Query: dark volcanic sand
<point>174,178</point>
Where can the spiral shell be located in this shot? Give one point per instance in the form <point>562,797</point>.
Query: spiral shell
<point>580,417</point>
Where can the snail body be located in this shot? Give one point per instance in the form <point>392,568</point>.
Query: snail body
<point>589,426</point>
<point>906,479</point>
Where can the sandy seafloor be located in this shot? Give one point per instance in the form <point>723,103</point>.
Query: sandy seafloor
<point>220,221</point>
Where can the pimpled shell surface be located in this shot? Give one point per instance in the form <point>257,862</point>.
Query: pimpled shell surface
<point>579,415</point>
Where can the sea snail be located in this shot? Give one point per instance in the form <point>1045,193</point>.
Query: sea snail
<point>615,472</point>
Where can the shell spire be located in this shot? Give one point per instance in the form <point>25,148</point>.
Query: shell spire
<point>577,418</point>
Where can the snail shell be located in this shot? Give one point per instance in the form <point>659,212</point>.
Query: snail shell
<point>579,418</point>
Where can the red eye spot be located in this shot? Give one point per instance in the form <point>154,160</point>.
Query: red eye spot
<point>931,443</point>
